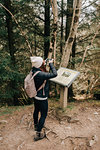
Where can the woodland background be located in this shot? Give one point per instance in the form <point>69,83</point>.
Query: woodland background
<point>35,25</point>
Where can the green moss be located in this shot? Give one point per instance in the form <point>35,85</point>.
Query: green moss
<point>10,109</point>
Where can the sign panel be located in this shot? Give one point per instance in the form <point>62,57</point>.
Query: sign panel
<point>65,76</point>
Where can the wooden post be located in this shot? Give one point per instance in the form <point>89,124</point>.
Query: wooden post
<point>63,96</point>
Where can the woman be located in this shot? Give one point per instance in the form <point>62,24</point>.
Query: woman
<point>41,99</point>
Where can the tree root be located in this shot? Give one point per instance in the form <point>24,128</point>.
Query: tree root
<point>20,146</point>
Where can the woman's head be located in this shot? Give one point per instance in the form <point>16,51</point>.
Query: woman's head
<point>36,61</point>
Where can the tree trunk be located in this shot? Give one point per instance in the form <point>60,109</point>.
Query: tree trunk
<point>69,17</point>
<point>47,28</point>
<point>70,89</point>
<point>10,31</point>
<point>68,27</point>
<point>35,43</point>
<point>54,28</point>
<point>72,34</point>
<point>61,42</point>
<point>73,54</point>
<point>12,83</point>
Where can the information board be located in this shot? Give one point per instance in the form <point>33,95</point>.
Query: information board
<point>65,76</point>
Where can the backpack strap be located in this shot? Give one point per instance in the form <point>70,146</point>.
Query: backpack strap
<point>43,85</point>
<point>35,74</point>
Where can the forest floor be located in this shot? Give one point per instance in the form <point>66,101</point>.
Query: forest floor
<point>75,128</point>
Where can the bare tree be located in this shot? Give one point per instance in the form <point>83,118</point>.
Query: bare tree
<point>69,17</point>
<point>62,14</point>
<point>54,28</point>
<point>71,37</point>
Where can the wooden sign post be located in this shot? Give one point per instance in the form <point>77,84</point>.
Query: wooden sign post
<point>65,78</point>
<point>63,96</point>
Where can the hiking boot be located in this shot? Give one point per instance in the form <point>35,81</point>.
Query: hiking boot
<point>39,136</point>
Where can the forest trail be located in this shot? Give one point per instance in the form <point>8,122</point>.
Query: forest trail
<point>76,128</point>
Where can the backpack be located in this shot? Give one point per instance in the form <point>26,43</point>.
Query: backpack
<point>29,85</point>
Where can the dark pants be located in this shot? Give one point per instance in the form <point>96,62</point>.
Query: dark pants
<point>42,107</point>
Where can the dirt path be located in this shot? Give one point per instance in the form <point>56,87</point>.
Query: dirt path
<point>77,128</point>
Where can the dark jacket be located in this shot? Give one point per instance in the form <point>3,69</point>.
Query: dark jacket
<point>40,77</point>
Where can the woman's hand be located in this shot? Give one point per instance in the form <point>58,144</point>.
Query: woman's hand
<point>48,61</point>
<point>51,61</point>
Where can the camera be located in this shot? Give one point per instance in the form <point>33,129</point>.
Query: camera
<point>47,61</point>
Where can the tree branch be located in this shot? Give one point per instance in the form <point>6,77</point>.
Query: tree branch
<point>89,45</point>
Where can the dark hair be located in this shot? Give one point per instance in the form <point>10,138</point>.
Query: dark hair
<point>43,67</point>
